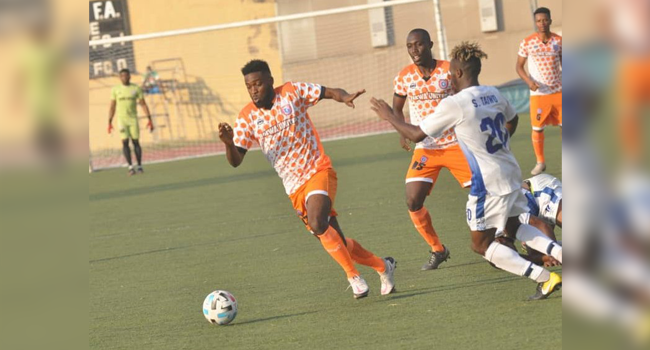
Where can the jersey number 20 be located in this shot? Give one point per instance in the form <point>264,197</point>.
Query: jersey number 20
<point>497,131</point>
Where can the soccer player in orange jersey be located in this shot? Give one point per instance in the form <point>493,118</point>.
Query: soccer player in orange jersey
<point>425,83</point>
<point>277,120</point>
<point>543,52</point>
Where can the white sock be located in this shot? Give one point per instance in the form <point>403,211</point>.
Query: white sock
<point>508,260</point>
<point>535,239</point>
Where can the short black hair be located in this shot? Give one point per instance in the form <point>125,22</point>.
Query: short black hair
<point>543,10</point>
<point>423,32</point>
<point>125,70</point>
<point>255,66</point>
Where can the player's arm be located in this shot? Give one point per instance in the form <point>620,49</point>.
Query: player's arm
<point>234,154</point>
<point>111,115</point>
<point>511,126</point>
<point>398,109</point>
<point>340,95</point>
<point>521,61</point>
<point>144,106</point>
<point>405,129</point>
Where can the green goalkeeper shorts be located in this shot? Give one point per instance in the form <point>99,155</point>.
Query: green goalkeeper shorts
<point>129,130</point>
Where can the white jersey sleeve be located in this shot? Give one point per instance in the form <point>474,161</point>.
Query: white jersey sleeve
<point>447,115</point>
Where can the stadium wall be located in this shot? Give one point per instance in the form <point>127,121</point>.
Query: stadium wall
<point>211,60</point>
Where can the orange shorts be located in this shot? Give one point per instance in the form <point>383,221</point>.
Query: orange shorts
<point>426,164</point>
<point>545,110</point>
<point>323,182</point>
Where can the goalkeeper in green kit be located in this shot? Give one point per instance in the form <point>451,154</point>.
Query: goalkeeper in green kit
<point>123,103</point>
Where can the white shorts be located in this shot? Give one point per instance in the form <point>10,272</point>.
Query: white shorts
<point>486,212</point>
<point>548,201</point>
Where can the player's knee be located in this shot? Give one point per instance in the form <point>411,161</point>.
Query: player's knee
<point>480,246</point>
<point>318,225</point>
<point>414,204</point>
<point>125,143</point>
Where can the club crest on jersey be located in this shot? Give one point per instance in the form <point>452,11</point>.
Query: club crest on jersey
<point>443,83</point>
<point>556,47</point>
<point>286,109</point>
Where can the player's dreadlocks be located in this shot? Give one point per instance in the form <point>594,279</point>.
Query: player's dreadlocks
<point>470,56</point>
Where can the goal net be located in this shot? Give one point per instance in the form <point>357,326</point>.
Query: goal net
<point>192,77</point>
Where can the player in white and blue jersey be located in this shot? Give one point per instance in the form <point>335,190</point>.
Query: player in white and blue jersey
<point>546,190</point>
<point>484,121</point>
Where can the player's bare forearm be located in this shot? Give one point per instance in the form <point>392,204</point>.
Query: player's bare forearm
<point>340,95</point>
<point>521,71</point>
<point>398,106</point>
<point>111,112</point>
<point>512,125</point>
<point>145,108</point>
<point>411,132</point>
<point>234,155</point>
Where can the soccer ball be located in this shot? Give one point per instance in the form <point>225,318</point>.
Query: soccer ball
<point>220,307</point>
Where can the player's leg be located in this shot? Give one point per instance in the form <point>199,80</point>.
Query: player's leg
<point>526,233</point>
<point>487,217</point>
<point>534,238</point>
<point>358,253</point>
<point>420,179</point>
<point>385,267</point>
<point>135,137</point>
<point>138,154</point>
<point>125,134</point>
<point>537,116</point>
<point>533,255</point>
<point>318,211</point>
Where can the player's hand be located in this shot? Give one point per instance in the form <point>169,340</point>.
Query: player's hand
<point>110,128</point>
<point>533,86</point>
<point>382,109</point>
<point>405,143</point>
<point>225,133</point>
<point>350,98</point>
<point>150,125</point>
<point>550,261</point>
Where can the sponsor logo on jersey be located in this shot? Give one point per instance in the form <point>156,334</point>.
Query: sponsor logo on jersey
<point>429,96</point>
<point>260,121</point>
<point>286,109</point>
<point>412,86</point>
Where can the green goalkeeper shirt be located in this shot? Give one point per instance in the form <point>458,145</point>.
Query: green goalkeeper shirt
<point>126,98</point>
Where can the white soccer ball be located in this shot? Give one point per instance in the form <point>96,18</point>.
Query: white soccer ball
<point>220,307</point>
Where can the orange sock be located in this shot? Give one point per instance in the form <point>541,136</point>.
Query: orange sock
<point>422,221</point>
<point>538,145</point>
<point>334,246</point>
<point>361,256</point>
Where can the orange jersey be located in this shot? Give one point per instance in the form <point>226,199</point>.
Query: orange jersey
<point>544,62</point>
<point>423,96</point>
<point>285,134</point>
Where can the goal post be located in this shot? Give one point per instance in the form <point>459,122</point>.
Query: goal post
<point>194,81</point>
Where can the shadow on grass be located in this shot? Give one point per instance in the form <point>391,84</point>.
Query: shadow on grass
<point>220,242</point>
<point>463,285</point>
<point>279,317</point>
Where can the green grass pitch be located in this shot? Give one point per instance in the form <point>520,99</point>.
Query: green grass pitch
<point>160,242</point>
